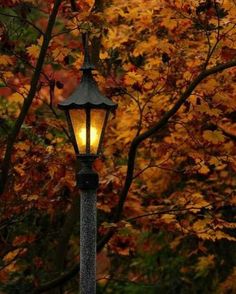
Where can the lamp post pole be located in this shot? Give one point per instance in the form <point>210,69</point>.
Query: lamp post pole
<point>87,112</point>
<point>87,182</point>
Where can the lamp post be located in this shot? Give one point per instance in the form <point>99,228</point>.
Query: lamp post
<point>87,112</point>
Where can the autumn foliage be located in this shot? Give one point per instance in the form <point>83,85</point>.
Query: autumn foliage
<point>167,196</point>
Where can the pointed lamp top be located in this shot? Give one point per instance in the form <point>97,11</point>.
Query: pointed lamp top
<point>87,94</point>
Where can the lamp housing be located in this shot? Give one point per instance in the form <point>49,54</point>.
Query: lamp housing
<point>87,112</point>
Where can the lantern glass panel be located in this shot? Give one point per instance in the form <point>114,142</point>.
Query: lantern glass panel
<point>78,120</point>
<point>96,127</point>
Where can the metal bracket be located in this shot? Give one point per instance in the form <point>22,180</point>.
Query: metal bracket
<point>86,178</point>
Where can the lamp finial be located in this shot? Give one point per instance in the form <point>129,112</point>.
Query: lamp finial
<point>87,62</point>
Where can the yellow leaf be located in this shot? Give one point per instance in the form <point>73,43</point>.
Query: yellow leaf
<point>210,85</point>
<point>146,46</point>
<point>170,23</point>
<point>188,75</point>
<point>117,36</point>
<point>204,169</point>
<point>33,51</point>
<point>73,25</point>
<point>168,218</point>
<point>197,201</point>
<point>205,263</point>
<point>103,55</point>
<point>132,78</point>
<point>7,75</point>
<point>16,97</point>
<point>214,137</point>
<point>30,198</point>
<point>40,41</point>
<point>148,85</point>
<point>19,96</point>
<point>20,170</point>
<point>153,63</point>
<point>23,146</point>
<point>200,225</point>
<point>204,108</point>
<point>60,53</point>
<point>5,60</point>
<point>78,61</point>
<point>11,255</point>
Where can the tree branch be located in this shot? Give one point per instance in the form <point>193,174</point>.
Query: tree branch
<point>161,123</point>
<point>73,5</point>
<point>28,101</point>
<point>23,20</point>
<point>130,169</point>
<point>96,41</point>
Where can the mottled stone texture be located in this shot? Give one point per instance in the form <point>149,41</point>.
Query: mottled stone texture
<point>88,231</point>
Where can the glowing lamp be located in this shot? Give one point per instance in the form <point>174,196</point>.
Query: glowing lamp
<point>87,112</point>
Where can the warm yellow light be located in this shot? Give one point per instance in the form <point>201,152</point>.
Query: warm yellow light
<point>93,136</point>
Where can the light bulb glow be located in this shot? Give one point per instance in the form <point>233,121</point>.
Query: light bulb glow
<point>93,136</point>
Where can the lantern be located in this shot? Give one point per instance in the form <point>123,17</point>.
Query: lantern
<point>87,112</point>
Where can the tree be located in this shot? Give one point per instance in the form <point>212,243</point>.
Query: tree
<point>167,195</point>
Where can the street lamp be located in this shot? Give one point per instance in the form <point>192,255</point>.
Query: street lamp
<point>87,112</point>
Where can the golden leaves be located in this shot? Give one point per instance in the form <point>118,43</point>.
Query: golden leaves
<point>226,99</point>
<point>205,108</point>
<point>7,75</point>
<point>78,61</point>
<point>168,218</point>
<point>30,198</point>
<point>33,51</point>
<point>5,60</point>
<point>18,97</point>
<point>145,46</point>
<point>210,85</point>
<point>197,202</point>
<point>117,36</point>
<point>204,264</point>
<point>103,55</point>
<point>204,169</point>
<point>10,256</point>
<point>207,229</point>
<point>214,137</point>
<point>132,78</point>
<point>10,260</point>
<point>60,53</point>
<point>73,26</point>
<point>22,148</point>
<point>170,23</point>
